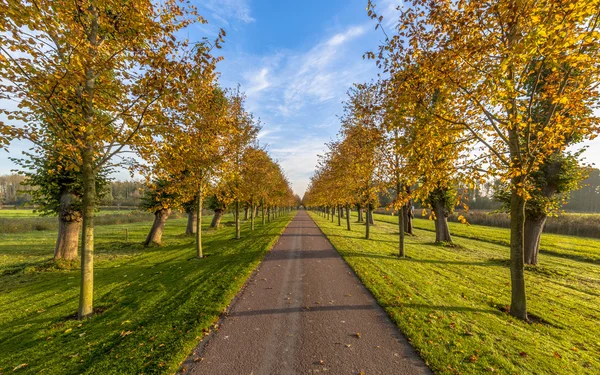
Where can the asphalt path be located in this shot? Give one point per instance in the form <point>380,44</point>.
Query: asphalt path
<point>304,311</point>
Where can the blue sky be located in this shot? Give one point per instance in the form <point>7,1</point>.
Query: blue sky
<point>295,60</point>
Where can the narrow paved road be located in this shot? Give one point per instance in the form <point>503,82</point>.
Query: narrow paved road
<point>305,312</point>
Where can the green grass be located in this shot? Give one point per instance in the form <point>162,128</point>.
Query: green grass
<point>157,303</point>
<point>579,248</point>
<point>447,300</point>
<point>28,213</point>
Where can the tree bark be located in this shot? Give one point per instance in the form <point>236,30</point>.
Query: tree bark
<point>86,294</point>
<point>252,217</point>
<point>199,226</point>
<point>339,212</point>
<point>442,232</point>
<point>237,219</point>
<point>518,306</point>
<point>368,223</point>
<point>534,226</point>
<point>69,226</point>
<point>216,220</point>
<point>360,213</point>
<point>371,220</point>
<point>408,217</point>
<point>246,213</point>
<point>263,211</point>
<point>190,230</point>
<point>156,232</point>
<point>401,251</point>
<point>348,216</point>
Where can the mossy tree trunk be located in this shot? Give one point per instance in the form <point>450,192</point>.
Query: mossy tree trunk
<point>442,232</point>
<point>370,215</point>
<point>69,226</point>
<point>156,232</point>
<point>190,229</point>
<point>216,220</point>
<point>534,226</point>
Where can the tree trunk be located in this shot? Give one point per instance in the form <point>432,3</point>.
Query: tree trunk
<point>263,211</point>
<point>401,225</point>
<point>371,220</point>
<point>216,220</point>
<point>237,219</point>
<point>339,210</point>
<point>191,223</point>
<point>252,218</point>
<point>368,223</point>
<point>86,295</point>
<point>69,226</point>
<point>246,213</point>
<point>534,227</point>
<point>360,213</point>
<point>442,232</point>
<point>155,235</point>
<point>518,306</point>
<point>199,226</point>
<point>348,216</point>
<point>407,211</point>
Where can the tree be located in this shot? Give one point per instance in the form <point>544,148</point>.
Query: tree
<point>160,200</point>
<point>491,57</point>
<point>58,191</point>
<point>242,136</point>
<point>105,62</point>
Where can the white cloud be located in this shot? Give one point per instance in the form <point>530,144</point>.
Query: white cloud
<point>224,10</point>
<point>257,82</point>
<point>297,94</point>
<point>351,33</point>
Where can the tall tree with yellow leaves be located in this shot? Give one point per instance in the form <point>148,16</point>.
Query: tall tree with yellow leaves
<point>493,57</point>
<point>66,56</point>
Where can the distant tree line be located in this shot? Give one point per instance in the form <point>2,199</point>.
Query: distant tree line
<point>14,192</point>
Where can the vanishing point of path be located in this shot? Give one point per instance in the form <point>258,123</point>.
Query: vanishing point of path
<point>305,312</point>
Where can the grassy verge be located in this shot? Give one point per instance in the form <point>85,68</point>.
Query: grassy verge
<point>156,303</point>
<point>584,249</point>
<point>448,301</point>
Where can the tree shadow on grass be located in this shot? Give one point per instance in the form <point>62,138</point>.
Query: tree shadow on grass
<point>489,262</point>
<point>424,306</point>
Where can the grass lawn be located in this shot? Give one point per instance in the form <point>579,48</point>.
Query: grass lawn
<point>157,303</point>
<point>447,300</point>
<point>578,248</point>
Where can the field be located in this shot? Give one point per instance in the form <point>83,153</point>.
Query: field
<point>26,221</point>
<point>450,302</point>
<point>153,304</point>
